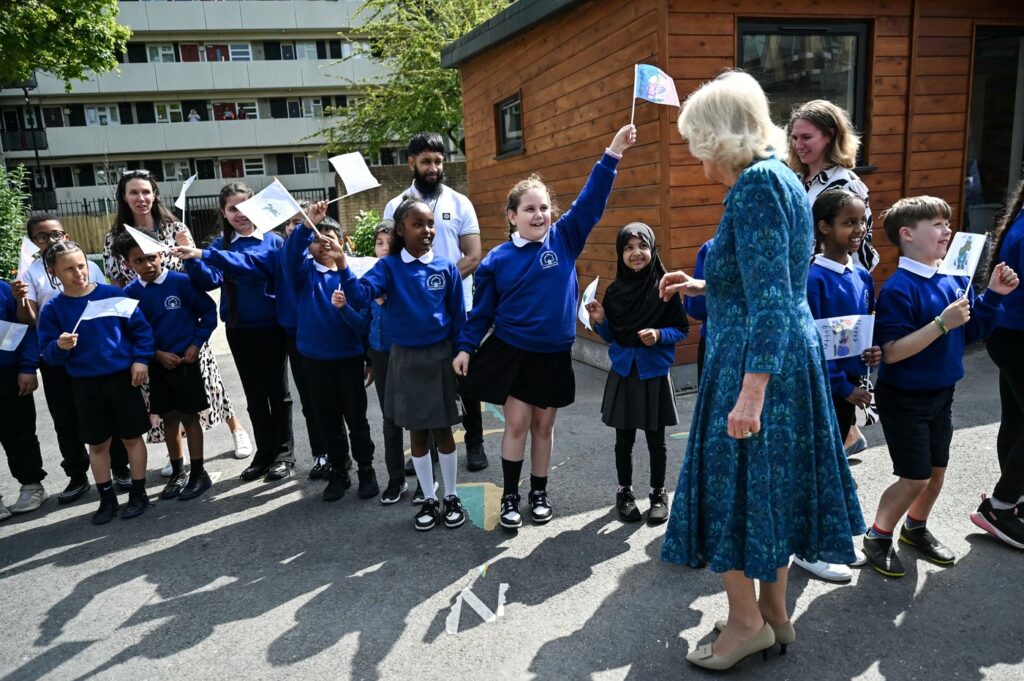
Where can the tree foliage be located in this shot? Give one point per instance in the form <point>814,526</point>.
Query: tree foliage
<point>66,38</point>
<point>363,236</point>
<point>406,38</point>
<point>13,204</point>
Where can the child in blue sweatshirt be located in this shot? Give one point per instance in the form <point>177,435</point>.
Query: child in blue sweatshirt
<point>107,358</point>
<point>642,331</point>
<point>1002,514</point>
<point>333,355</point>
<point>527,290</point>
<point>924,321</point>
<point>425,311</point>
<point>183,319</point>
<point>18,425</point>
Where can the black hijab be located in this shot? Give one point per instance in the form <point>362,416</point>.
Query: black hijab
<point>632,301</point>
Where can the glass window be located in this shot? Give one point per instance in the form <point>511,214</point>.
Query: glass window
<point>247,110</point>
<point>241,52</point>
<point>312,107</point>
<point>287,51</point>
<point>160,52</point>
<point>169,113</point>
<point>206,168</point>
<point>346,50</point>
<point>105,174</point>
<point>797,61</point>
<point>253,166</point>
<point>177,170</point>
<point>305,50</point>
<point>102,115</point>
<point>510,129</point>
<point>294,108</point>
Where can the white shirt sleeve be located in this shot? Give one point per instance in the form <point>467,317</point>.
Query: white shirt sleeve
<point>31,277</point>
<point>389,210</point>
<point>468,223</point>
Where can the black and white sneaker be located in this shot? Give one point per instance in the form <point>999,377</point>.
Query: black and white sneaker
<point>393,492</point>
<point>454,514</point>
<point>77,486</point>
<point>540,509</point>
<point>174,485</point>
<point>427,516</point>
<point>417,497</point>
<point>1003,524</point>
<point>319,469</point>
<point>510,517</point>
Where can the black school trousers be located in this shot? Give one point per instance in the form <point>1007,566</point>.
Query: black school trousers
<point>261,357</point>
<point>337,391</point>
<point>1004,347</point>
<point>18,430</point>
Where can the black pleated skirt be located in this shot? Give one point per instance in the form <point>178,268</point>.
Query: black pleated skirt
<point>634,403</point>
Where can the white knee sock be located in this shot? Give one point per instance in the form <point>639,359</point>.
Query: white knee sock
<point>425,475</point>
<point>449,468</point>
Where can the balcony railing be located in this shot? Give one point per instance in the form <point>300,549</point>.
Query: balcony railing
<point>24,140</point>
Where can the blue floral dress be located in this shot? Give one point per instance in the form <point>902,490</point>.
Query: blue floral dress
<point>749,504</point>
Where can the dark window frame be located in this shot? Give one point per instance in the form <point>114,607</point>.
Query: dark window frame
<point>504,147</point>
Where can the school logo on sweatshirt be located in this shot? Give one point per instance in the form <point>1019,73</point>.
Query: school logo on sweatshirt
<point>435,282</point>
<point>548,259</point>
<point>172,303</point>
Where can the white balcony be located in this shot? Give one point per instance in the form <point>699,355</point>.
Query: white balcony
<point>169,189</point>
<point>249,135</point>
<point>235,15</point>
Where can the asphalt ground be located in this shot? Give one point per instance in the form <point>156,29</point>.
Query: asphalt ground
<point>265,580</point>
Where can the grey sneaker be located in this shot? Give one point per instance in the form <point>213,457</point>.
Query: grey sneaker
<point>31,497</point>
<point>4,513</point>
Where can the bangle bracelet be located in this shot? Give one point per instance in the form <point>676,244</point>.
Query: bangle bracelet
<point>942,325</point>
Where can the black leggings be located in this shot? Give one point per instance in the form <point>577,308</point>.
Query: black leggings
<point>261,356</point>
<point>624,439</point>
<point>1004,349</point>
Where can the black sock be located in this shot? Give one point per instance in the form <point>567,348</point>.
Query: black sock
<point>106,491</point>
<point>510,471</point>
<point>538,483</point>
<point>176,466</point>
<point>196,469</point>
<point>138,488</point>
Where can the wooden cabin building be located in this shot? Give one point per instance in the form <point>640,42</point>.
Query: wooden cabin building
<point>935,86</point>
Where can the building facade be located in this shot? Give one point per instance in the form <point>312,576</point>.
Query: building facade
<point>935,86</point>
<point>228,89</point>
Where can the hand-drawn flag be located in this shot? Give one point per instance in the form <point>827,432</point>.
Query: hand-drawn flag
<point>26,257</point>
<point>108,307</point>
<point>589,294</point>
<point>654,85</point>
<point>963,255</point>
<point>844,337</point>
<point>353,172</point>
<point>180,201</point>
<point>11,334</point>
<point>270,207</point>
<point>148,244</point>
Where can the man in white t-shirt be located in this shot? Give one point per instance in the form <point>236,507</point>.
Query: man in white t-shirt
<point>457,238</point>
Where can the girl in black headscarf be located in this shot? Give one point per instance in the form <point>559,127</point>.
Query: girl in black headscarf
<point>642,331</point>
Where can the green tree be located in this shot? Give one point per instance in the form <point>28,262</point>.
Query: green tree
<point>13,204</point>
<point>406,38</point>
<point>363,237</point>
<point>64,37</point>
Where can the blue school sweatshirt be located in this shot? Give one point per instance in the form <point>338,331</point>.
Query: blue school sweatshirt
<point>324,332</point>
<point>268,265</point>
<point>180,314</point>
<point>1012,253</point>
<point>911,299</point>
<point>26,355</point>
<point>651,361</point>
<point>105,345</point>
<point>696,306</point>
<point>835,290</point>
<point>528,290</point>
<point>378,337</point>
<point>254,295</point>
<point>425,301</point>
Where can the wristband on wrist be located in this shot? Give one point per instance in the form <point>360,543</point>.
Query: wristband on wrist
<point>942,325</point>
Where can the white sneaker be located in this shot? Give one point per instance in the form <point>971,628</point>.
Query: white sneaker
<point>4,513</point>
<point>31,497</point>
<point>243,447</point>
<point>861,560</point>
<point>167,471</point>
<point>830,572</point>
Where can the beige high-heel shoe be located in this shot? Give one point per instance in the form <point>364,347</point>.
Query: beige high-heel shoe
<point>704,656</point>
<point>785,634</point>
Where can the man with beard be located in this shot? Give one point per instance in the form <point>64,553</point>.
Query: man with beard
<point>457,238</point>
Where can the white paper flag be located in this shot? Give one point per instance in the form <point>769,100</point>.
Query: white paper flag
<point>11,334</point>
<point>963,255</point>
<point>108,307</point>
<point>27,256</point>
<point>844,337</point>
<point>180,201</point>
<point>360,265</point>
<point>148,244</point>
<point>589,294</point>
<point>270,207</point>
<point>353,172</point>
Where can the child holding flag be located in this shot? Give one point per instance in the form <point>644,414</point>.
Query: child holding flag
<point>924,321</point>
<point>183,318</point>
<point>107,361</point>
<point>527,290</point>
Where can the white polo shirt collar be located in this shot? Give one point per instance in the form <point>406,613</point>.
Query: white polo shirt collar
<point>426,258</point>
<point>159,280</point>
<point>918,268</point>
<point>520,241</point>
<point>256,234</point>
<point>821,261</point>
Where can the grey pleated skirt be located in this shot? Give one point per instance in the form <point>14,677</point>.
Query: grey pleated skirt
<point>421,391</point>
<point>634,403</point>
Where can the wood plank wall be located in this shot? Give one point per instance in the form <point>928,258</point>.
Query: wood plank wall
<point>575,73</point>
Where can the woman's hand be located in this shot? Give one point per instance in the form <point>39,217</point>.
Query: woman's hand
<point>859,397</point>
<point>596,312</point>
<point>682,283</point>
<point>67,341</point>
<point>872,357</point>
<point>624,139</point>
<point>1003,279</point>
<point>745,417</point>
<point>183,238</point>
<point>187,253</point>
<point>461,363</point>
<point>338,299</point>
<point>140,372</point>
<point>649,336</point>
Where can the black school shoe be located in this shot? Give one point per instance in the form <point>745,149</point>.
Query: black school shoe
<point>476,457</point>
<point>882,556</point>
<point>924,541</point>
<point>106,512</point>
<point>136,506</point>
<point>254,472</point>
<point>279,470</point>
<point>540,509</point>
<point>336,486</point>
<point>368,487</point>
<point>428,515</point>
<point>625,504</point>
<point>196,485</point>
<point>320,468</point>
<point>174,485</point>
<point>74,491</point>
<point>659,507</point>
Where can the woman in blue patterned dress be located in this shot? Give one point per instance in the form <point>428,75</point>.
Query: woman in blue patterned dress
<point>765,475</point>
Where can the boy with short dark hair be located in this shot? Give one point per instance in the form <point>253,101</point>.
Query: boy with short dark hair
<point>923,322</point>
<point>183,319</point>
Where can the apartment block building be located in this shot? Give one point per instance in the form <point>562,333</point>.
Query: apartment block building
<point>226,89</point>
